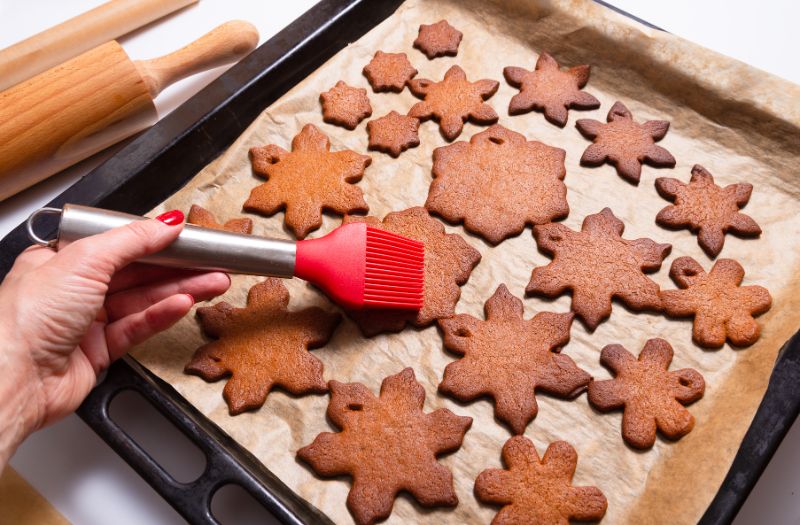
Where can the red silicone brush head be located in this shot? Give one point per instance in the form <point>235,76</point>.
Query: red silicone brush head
<point>360,266</point>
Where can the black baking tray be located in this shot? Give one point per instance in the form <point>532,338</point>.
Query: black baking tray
<point>163,159</point>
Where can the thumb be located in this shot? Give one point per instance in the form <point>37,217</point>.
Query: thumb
<point>104,254</point>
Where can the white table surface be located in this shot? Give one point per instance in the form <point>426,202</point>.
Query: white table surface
<point>91,485</point>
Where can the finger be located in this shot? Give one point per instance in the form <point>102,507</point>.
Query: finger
<point>100,256</point>
<point>201,286</point>
<point>124,334</point>
<point>30,258</point>
<point>140,274</point>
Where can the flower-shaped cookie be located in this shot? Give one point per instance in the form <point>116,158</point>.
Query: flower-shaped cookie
<point>549,89</point>
<point>307,180</point>
<point>652,396</point>
<point>387,444</point>
<point>497,183</point>
<point>393,133</point>
<point>261,346</point>
<point>624,143</point>
<point>722,308</point>
<point>508,358</point>
<point>706,209</point>
<point>538,491</point>
<point>597,264</point>
<point>453,101</point>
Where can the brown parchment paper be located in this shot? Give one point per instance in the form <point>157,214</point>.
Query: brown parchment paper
<point>738,122</point>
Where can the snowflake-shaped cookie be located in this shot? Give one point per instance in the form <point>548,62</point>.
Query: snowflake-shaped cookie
<point>497,183</point>
<point>549,89</point>
<point>597,264</point>
<point>509,358</point>
<point>393,133</point>
<point>345,105</point>
<point>387,445</point>
<point>624,143</point>
<point>389,72</point>
<point>453,101</point>
<point>261,346</point>
<point>307,180</point>
<point>706,209</point>
<point>438,40</point>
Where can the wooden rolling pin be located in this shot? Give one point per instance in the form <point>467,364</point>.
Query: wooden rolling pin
<point>74,110</point>
<point>78,34</point>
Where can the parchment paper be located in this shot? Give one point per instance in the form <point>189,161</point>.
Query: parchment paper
<point>738,122</point>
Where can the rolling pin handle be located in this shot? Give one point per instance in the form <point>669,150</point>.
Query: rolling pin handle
<point>32,234</point>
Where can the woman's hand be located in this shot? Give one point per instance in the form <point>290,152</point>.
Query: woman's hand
<point>66,316</point>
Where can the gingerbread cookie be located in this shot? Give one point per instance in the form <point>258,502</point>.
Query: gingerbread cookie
<point>549,89</point>
<point>596,264</point>
<point>262,346</point>
<point>706,209</point>
<point>625,143</point>
<point>538,491</point>
<point>652,396</point>
<point>393,133</point>
<point>307,180</point>
<point>389,72</point>
<point>345,105</point>
<point>509,358</point>
<point>722,309</point>
<point>438,40</point>
<point>387,444</point>
<point>453,101</point>
<point>497,183</point>
<point>449,260</point>
<point>200,216</point>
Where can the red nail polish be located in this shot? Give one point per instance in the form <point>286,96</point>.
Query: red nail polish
<point>190,296</point>
<point>171,218</point>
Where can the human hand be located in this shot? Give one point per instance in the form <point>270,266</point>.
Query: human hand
<point>67,315</point>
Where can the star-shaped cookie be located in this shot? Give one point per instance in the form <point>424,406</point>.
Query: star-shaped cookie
<point>200,216</point>
<point>449,261</point>
<point>393,133</point>
<point>307,180</point>
<point>262,346</point>
<point>596,264</point>
<point>706,209</point>
<point>722,308</point>
<point>509,358</point>
<point>389,72</point>
<point>497,183</point>
<point>652,396</point>
<point>453,101</point>
<point>549,89</point>
<point>387,444</point>
<point>538,491</point>
<point>438,40</point>
<point>345,105</point>
<point>624,143</point>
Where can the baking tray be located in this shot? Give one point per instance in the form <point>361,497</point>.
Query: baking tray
<point>161,160</point>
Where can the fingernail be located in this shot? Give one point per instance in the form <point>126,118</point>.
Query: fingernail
<point>171,218</point>
<point>190,296</point>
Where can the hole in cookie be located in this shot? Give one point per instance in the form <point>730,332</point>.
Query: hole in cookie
<point>357,407</point>
<point>463,332</point>
<point>690,272</point>
<point>555,238</point>
<point>216,359</point>
<point>684,382</point>
<point>273,160</point>
<point>496,140</point>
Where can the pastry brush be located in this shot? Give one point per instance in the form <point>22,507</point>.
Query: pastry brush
<point>356,265</point>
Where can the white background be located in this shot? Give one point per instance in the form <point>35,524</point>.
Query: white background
<point>90,485</point>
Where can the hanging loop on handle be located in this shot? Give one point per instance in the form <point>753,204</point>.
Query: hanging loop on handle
<point>29,226</point>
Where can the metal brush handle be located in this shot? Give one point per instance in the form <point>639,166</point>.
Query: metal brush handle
<point>195,248</point>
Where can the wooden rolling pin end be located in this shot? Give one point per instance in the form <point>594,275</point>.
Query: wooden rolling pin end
<point>226,43</point>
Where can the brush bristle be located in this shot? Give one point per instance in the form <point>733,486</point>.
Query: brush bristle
<point>395,268</point>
